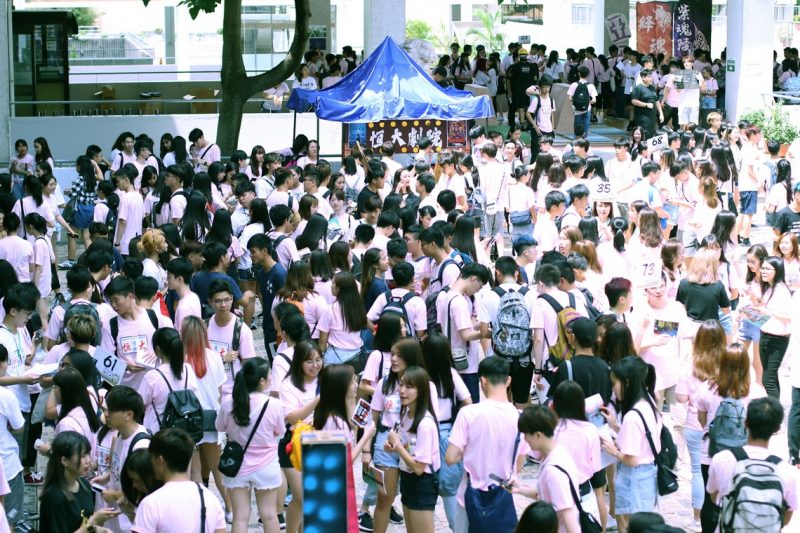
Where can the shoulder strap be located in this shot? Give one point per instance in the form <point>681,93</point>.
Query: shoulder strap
<point>739,454</point>
<point>648,434</point>
<point>569,370</point>
<point>407,298</point>
<point>445,263</point>
<point>571,298</point>
<point>499,291</point>
<point>136,438</point>
<point>153,317</point>
<point>237,334</point>
<point>557,307</point>
<point>210,146</point>
<point>113,324</point>
<point>255,427</point>
<point>285,358</point>
<point>575,497</point>
<point>514,455</point>
<point>202,509</point>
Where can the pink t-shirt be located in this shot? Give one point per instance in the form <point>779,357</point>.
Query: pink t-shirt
<point>324,289</point>
<point>131,210</point>
<point>582,442</point>
<point>189,305</point>
<point>154,391</point>
<point>415,309</point>
<point>688,385</point>
<point>707,401</point>
<point>458,319</point>
<point>280,367</point>
<point>134,336</point>
<point>28,206</point>
<point>334,325</point>
<point>263,448</point>
<point>55,325</point>
<point>57,353</point>
<point>334,423</point>
<point>119,452</point>
<point>388,404</point>
<point>18,252</point>
<point>631,438</point>
<point>422,445</point>
<point>220,339</point>
<point>314,307</point>
<point>378,366</point>
<point>554,485</point>
<point>43,257</point>
<point>723,465</point>
<point>485,432</point>
<point>100,212</point>
<point>446,404</point>
<point>294,398</point>
<point>76,421</point>
<point>157,511</point>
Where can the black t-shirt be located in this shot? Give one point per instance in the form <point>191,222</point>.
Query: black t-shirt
<point>588,371</point>
<point>646,95</point>
<point>702,302</point>
<point>59,515</point>
<point>787,220</point>
<point>522,76</point>
<point>362,200</point>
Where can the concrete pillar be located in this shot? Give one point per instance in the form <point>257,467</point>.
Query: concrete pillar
<point>382,18</point>
<point>751,76</point>
<point>169,35</point>
<point>6,81</point>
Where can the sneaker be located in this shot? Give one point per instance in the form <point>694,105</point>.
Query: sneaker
<point>395,517</point>
<point>66,264</point>
<point>611,523</point>
<point>229,517</point>
<point>34,478</point>
<point>287,500</point>
<point>281,521</point>
<point>365,522</point>
<point>746,242</point>
<point>696,526</point>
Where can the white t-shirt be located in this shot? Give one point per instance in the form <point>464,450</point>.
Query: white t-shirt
<point>592,95</point>
<point>10,417</point>
<point>157,512</point>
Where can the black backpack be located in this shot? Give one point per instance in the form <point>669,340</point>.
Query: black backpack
<point>572,75</point>
<point>397,305</point>
<point>183,410</point>
<point>581,98</point>
<point>111,218</point>
<point>275,243</point>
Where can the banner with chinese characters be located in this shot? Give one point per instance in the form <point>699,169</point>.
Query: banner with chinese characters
<point>654,27</point>
<point>405,134</point>
<point>691,26</point>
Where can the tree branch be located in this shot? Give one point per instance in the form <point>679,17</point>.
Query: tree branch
<point>287,67</point>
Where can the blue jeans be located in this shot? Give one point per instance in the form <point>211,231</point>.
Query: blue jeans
<point>580,124</point>
<point>449,476</point>
<point>17,191</point>
<point>793,424</point>
<point>473,385</point>
<point>694,443</point>
<point>635,488</point>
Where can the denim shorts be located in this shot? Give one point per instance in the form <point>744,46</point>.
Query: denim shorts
<point>449,475</point>
<point>748,200</point>
<point>419,493</point>
<point>726,321</point>
<point>381,457</point>
<point>635,488</point>
<point>748,331</point>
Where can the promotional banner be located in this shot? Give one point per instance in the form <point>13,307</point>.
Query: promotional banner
<point>691,26</point>
<point>654,27</point>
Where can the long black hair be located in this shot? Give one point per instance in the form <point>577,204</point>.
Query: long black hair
<point>334,384</point>
<point>316,230</point>
<point>350,302</point>
<point>195,225</point>
<point>439,361</point>
<point>179,148</point>
<point>169,343</point>
<point>410,352</point>
<point>138,461</point>
<point>221,229</point>
<point>246,381</point>
<point>637,380</point>
<point>259,214</point>
<point>464,236</point>
<point>66,445</point>
<point>569,401</point>
<point>74,394</point>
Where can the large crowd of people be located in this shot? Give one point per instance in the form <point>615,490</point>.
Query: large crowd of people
<point>487,306</point>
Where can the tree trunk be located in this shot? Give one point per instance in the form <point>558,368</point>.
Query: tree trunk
<point>237,86</point>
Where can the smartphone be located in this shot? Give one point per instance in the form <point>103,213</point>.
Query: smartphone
<point>96,487</point>
<point>501,482</point>
<point>361,413</point>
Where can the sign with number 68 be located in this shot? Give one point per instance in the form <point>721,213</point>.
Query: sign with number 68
<point>658,142</point>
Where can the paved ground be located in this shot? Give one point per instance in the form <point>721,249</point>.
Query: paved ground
<point>675,508</point>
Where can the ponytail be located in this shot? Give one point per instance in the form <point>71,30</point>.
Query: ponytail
<point>246,381</point>
<point>168,341</point>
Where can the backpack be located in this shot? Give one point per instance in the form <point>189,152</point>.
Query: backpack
<point>275,243</point>
<point>539,106</point>
<point>237,332</point>
<point>755,501</point>
<point>111,218</point>
<point>581,98</point>
<point>430,300</point>
<point>81,308</point>
<point>591,310</point>
<point>726,431</point>
<point>397,305</point>
<point>572,75</point>
<point>511,327</point>
<point>142,435</point>
<point>465,258</point>
<point>183,409</point>
<point>560,350</point>
<point>113,324</point>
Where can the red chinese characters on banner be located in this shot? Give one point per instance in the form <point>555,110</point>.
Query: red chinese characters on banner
<point>654,27</point>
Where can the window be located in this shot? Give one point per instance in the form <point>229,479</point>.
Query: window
<point>455,13</point>
<point>581,14</point>
<point>783,13</point>
<point>522,13</point>
<point>479,9</point>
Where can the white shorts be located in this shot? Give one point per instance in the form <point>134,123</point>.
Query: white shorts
<point>688,113</point>
<point>265,478</point>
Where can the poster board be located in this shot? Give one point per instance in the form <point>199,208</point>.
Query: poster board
<point>405,134</point>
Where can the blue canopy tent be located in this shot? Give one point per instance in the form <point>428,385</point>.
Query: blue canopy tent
<point>389,85</point>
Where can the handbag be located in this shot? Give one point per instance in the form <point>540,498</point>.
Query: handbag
<point>491,509</point>
<point>666,479</point>
<point>69,210</point>
<point>519,218</point>
<point>460,355</point>
<point>587,521</point>
<point>230,461</point>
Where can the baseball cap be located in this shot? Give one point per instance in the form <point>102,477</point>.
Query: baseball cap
<point>522,52</point>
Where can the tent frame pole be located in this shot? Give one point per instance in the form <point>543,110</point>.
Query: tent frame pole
<point>294,126</point>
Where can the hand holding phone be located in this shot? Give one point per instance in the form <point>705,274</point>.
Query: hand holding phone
<point>504,483</point>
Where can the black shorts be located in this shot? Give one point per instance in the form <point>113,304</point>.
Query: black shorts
<point>419,493</point>
<point>521,379</point>
<point>598,480</point>
<point>283,457</point>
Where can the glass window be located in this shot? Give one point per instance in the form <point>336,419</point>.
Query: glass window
<point>523,13</point>
<point>581,14</point>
